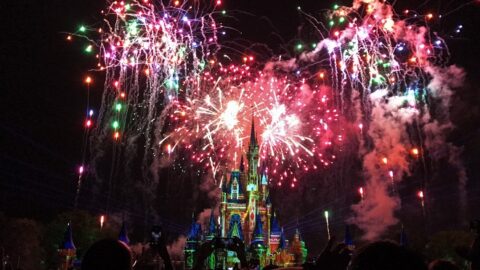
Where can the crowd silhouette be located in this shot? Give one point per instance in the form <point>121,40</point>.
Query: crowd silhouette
<point>380,255</point>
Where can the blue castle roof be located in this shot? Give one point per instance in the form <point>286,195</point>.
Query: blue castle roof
<point>348,236</point>
<point>274,227</point>
<point>264,179</point>
<point>258,231</point>
<point>123,235</point>
<point>283,241</point>
<point>235,227</point>
<point>195,231</point>
<point>212,226</point>
<point>67,242</point>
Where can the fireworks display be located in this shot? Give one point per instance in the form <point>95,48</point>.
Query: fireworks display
<point>292,123</point>
<point>371,70</point>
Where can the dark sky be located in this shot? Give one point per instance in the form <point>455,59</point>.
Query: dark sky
<point>43,98</point>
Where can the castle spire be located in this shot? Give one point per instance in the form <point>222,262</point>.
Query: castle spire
<point>252,156</point>
<point>67,243</point>
<point>274,227</point>
<point>212,227</point>
<point>242,165</point>
<point>348,236</point>
<point>253,135</point>
<point>67,249</point>
<point>283,241</point>
<point>195,230</point>
<point>123,235</point>
<point>258,230</point>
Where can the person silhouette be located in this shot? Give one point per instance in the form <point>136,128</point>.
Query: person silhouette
<point>107,254</point>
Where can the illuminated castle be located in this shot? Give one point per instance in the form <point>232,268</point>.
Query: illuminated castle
<point>246,213</point>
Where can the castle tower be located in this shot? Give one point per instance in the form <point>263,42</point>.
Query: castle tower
<point>252,156</point>
<point>297,248</point>
<point>123,235</point>
<point>283,241</point>
<point>252,184</point>
<point>257,237</point>
<point>193,242</point>
<point>67,250</point>
<point>223,207</point>
<point>257,246</point>
<point>212,227</point>
<point>275,234</point>
<point>348,241</point>
<point>282,255</point>
<point>210,234</point>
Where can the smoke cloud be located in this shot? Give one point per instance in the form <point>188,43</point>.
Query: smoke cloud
<point>175,249</point>
<point>385,164</point>
<point>444,81</point>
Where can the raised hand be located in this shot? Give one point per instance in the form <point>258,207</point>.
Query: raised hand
<point>336,258</point>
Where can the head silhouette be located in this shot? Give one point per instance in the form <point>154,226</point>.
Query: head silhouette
<point>386,255</point>
<point>442,265</point>
<point>107,254</point>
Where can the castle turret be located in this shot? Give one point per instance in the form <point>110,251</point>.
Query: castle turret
<point>193,241</point>
<point>212,227</point>
<point>283,241</point>
<point>264,191</point>
<point>282,256</point>
<point>123,235</point>
<point>235,191</point>
<point>253,135</point>
<point>297,248</point>
<point>252,156</point>
<point>67,250</point>
<point>210,235</point>
<point>257,246</point>
<point>67,243</point>
<point>275,233</point>
<point>257,237</point>
<point>252,184</point>
<point>348,241</point>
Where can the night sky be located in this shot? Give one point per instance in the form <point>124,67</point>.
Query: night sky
<point>43,97</point>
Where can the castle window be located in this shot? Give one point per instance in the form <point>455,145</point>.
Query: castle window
<point>234,190</point>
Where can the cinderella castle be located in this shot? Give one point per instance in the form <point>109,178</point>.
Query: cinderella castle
<point>246,212</point>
